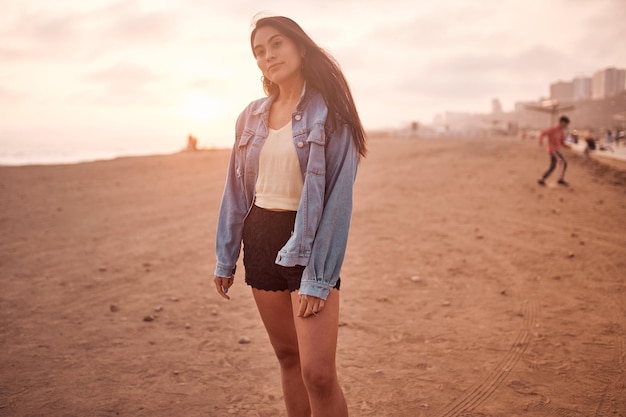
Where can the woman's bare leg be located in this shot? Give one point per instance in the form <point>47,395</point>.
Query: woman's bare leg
<point>317,341</point>
<point>277,315</point>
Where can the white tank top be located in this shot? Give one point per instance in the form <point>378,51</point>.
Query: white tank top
<point>279,183</point>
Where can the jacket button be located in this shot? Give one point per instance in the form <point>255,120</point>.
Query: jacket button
<point>298,117</point>
<point>300,144</point>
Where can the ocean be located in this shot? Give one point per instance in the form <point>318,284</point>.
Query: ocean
<point>18,154</point>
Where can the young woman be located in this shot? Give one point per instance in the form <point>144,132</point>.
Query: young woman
<point>288,197</point>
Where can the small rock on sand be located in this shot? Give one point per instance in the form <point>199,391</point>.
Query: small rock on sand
<point>446,303</point>
<point>158,309</point>
<point>114,308</point>
<point>570,255</point>
<point>149,317</point>
<point>244,340</point>
<point>416,279</point>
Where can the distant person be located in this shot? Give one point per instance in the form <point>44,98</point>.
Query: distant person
<point>609,137</point>
<point>192,143</point>
<point>591,145</point>
<point>556,139</point>
<point>288,198</point>
<point>618,137</point>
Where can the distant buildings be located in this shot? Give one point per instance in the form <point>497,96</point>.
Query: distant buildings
<point>604,83</point>
<point>608,82</point>
<point>582,88</point>
<point>591,102</point>
<point>463,124</point>
<point>496,106</point>
<point>523,116</point>
<point>563,91</point>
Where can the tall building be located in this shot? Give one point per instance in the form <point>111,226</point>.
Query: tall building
<point>582,88</point>
<point>496,106</point>
<point>562,91</point>
<point>608,82</point>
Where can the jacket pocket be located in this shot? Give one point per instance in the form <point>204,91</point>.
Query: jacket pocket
<point>243,153</point>
<point>245,138</point>
<point>316,142</point>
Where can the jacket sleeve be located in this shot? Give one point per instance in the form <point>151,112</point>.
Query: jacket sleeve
<point>233,211</point>
<point>329,246</point>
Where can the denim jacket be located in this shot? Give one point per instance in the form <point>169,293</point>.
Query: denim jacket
<point>328,162</point>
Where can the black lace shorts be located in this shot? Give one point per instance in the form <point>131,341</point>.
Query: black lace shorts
<point>265,232</point>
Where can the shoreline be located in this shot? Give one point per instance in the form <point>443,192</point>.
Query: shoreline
<point>88,160</point>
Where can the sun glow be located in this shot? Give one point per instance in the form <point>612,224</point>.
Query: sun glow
<point>199,108</point>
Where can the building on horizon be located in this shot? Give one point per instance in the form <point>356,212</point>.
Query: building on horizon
<point>608,82</point>
<point>461,123</point>
<point>527,118</point>
<point>496,106</point>
<point>562,91</point>
<point>582,88</point>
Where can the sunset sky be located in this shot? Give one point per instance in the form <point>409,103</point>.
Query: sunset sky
<point>140,75</point>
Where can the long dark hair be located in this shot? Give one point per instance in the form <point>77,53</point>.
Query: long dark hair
<point>322,72</point>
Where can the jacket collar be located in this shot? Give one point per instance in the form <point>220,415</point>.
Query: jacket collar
<point>305,96</point>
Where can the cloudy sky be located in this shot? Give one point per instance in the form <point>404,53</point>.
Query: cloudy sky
<point>132,74</point>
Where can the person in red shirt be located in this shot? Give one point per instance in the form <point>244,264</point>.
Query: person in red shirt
<point>556,139</point>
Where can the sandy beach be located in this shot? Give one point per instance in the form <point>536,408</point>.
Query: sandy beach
<point>467,289</point>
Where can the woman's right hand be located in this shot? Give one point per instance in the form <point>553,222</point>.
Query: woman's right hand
<point>222,284</point>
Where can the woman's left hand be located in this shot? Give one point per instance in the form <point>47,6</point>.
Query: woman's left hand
<point>309,306</point>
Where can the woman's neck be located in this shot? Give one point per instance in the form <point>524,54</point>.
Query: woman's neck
<point>290,91</point>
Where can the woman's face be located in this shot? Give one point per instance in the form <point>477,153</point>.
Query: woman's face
<point>276,55</point>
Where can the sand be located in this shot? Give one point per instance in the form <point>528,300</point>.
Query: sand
<point>467,289</point>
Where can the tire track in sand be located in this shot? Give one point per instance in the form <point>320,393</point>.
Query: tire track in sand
<point>613,400</point>
<point>481,391</point>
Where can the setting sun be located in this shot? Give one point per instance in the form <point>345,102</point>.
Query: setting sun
<point>198,107</point>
